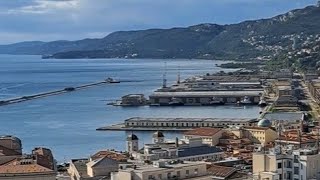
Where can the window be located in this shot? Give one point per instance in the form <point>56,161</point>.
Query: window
<point>160,176</point>
<point>296,170</point>
<point>296,160</point>
<point>187,173</point>
<point>178,173</point>
<point>301,166</point>
<point>279,165</point>
<point>289,175</point>
<point>150,177</point>
<point>169,175</point>
<point>289,164</point>
<point>196,171</point>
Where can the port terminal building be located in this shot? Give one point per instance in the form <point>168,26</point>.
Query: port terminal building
<point>204,97</point>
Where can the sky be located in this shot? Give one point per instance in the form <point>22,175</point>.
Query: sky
<point>48,20</point>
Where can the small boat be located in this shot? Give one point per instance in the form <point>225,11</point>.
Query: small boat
<point>175,102</point>
<point>246,100</point>
<point>262,103</point>
<point>216,101</point>
<point>69,89</point>
<point>111,80</point>
<point>3,102</point>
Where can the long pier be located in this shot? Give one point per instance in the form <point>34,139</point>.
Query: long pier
<point>176,124</point>
<point>50,93</point>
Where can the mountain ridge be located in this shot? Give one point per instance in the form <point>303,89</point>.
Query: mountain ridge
<point>263,38</point>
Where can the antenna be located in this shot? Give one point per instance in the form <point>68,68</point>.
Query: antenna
<point>317,142</point>
<point>164,81</point>
<point>178,80</point>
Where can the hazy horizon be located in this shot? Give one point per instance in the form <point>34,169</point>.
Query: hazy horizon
<point>50,20</point>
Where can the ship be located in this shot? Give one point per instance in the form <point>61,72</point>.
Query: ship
<point>262,103</point>
<point>216,101</point>
<point>246,100</point>
<point>111,80</point>
<point>175,102</point>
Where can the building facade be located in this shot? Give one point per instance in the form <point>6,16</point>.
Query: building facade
<point>185,123</point>
<point>163,171</point>
<point>209,136</point>
<point>302,164</point>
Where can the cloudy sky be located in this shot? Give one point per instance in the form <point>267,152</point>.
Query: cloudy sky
<point>46,20</point>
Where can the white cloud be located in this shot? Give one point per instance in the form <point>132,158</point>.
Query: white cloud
<point>45,6</point>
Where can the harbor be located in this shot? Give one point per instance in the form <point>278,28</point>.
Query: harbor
<point>240,87</point>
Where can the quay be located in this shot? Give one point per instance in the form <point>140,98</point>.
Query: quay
<point>51,93</point>
<point>205,97</point>
<point>176,124</point>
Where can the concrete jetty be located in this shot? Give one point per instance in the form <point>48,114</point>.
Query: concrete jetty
<point>176,124</point>
<point>50,93</point>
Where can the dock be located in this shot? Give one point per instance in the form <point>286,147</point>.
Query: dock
<point>176,124</point>
<point>49,93</point>
<point>122,127</point>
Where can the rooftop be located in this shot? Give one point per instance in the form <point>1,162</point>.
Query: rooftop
<point>203,131</point>
<point>191,119</point>
<point>206,93</point>
<point>257,128</point>
<point>109,154</point>
<point>81,166</point>
<point>22,169</point>
<point>146,168</point>
<point>199,150</point>
<point>220,171</point>
<point>286,116</point>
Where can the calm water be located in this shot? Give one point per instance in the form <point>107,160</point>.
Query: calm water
<point>66,123</point>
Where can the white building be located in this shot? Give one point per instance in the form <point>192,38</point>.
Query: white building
<point>187,150</point>
<point>302,164</point>
<point>164,171</point>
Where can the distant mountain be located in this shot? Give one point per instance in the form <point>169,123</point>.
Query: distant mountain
<point>263,39</point>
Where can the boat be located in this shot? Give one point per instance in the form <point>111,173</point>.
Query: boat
<point>262,103</point>
<point>111,80</point>
<point>175,102</point>
<point>216,101</point>
<point>246,100</point>
<point>69,89</point>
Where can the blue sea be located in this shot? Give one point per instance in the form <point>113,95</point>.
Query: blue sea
<point>66,123</point>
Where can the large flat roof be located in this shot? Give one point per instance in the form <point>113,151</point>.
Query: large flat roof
<point>148,168</point>
<point>207,93</point>
<point>286,116</point>
<point>191,119</point>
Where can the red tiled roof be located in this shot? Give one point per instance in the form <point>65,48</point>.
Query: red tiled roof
<point>203,132</point>
<point>220,171</point>
<point>20,169</point>
<point>109,154</point>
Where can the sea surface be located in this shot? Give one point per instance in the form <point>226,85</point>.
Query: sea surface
<point>66,123</point>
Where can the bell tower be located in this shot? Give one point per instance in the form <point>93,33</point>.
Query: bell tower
<point>132,143</point>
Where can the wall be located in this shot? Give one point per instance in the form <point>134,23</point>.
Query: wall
<point>103,168</point>
<point>270,136</point>
<point>164,173</point>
